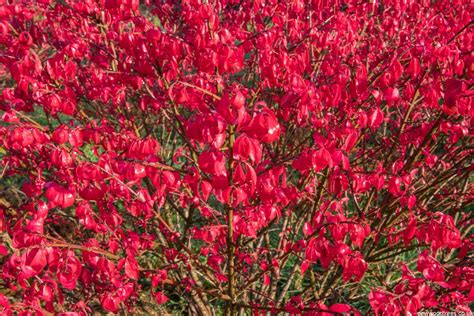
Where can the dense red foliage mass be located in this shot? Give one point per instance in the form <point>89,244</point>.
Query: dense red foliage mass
<point>236,156</point>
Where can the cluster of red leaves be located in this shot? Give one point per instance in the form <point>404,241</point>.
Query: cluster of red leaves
<point>298,156</point>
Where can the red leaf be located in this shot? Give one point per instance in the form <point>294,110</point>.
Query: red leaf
<point>266,279</point>
<point>110,302</point>
<point>304,266</point>
<point>391,95</point>
<point>33,261</point>
<point>3,250</point>
<point>265,126</point>
<point>340,308</point>
<point>376,118</point>
<point>131,268</point>
<point>213,162</point>
<point>307,229</point>
<point>161,298</point>
<point>60,196</point>
<point>69,271</point>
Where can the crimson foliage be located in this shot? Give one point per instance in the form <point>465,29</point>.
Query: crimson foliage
<point>235,156</point>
